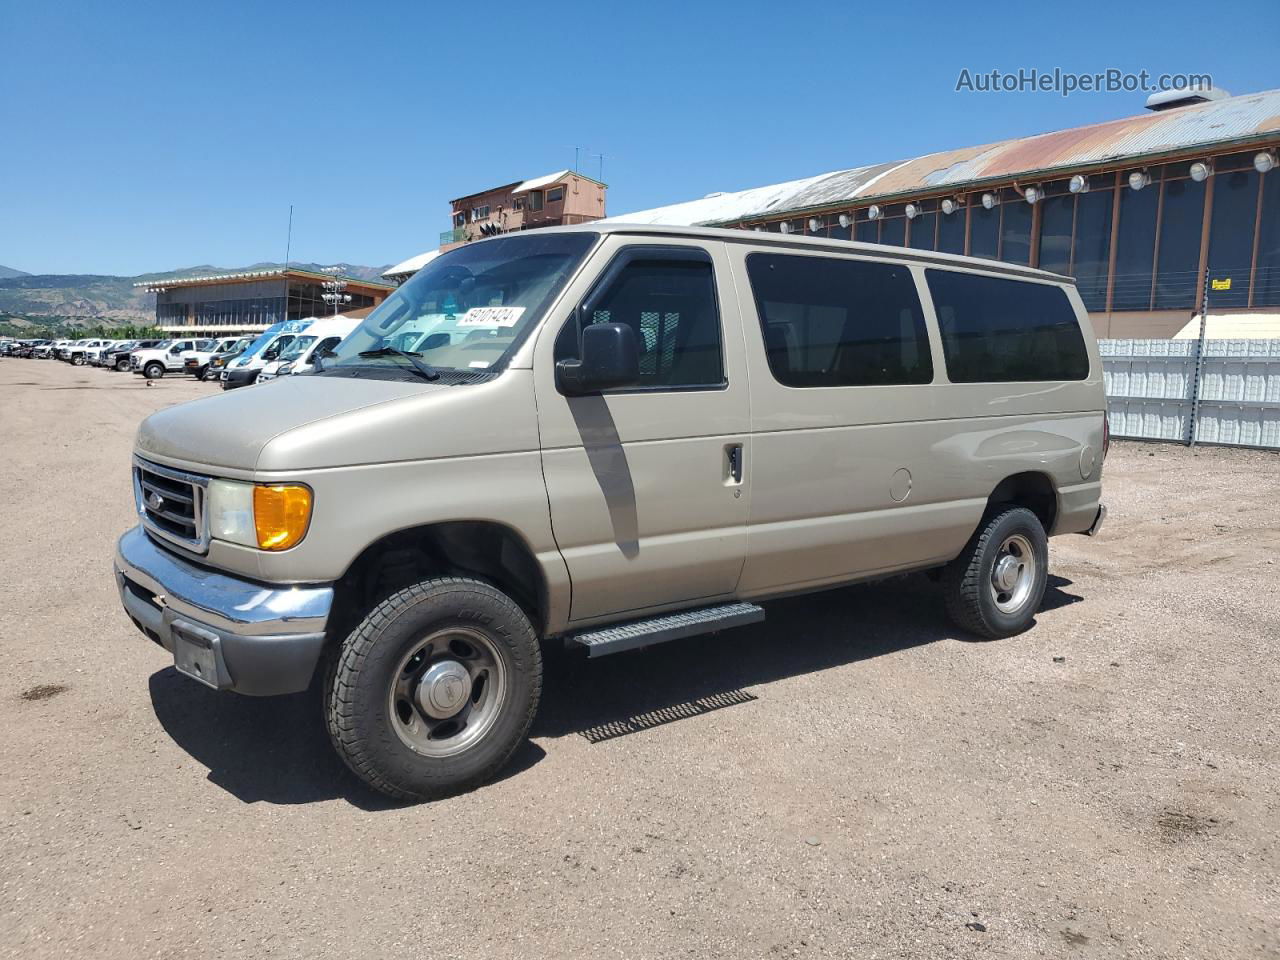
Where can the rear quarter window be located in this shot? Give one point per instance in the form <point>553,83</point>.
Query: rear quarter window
<point>998,330</point>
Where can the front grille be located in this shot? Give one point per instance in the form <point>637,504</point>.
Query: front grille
<point>171,503</point>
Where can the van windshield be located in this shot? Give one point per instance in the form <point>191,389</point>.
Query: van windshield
<point>296,349</point>
<point>469,309</point>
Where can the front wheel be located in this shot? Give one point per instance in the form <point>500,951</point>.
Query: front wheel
<point>78,360</point>
<point>994,588</point>
<point>153,370</point>
<point>435,689</point>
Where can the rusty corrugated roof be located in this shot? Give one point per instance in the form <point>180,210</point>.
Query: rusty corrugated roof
<point>1203,125</point>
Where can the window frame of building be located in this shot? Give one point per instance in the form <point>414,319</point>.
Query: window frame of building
<point>1234,221</point>
<point>861,275</point>
<point>559,192</point>
<point>958,217</point>
<point>1179,233</point>
<point>1264,289</point>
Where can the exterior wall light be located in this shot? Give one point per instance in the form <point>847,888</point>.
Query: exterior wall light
<point>912,211</point>
<point>814,224</point>
<point>1264,161</point>
<point>990,201</point>
<point>1201,171</point>
<point>1078,184</point>
<point>784,227</point>
<point>1033,195</point>
<point>949,206</point>
<point>845,220</point>
<point>873,212</point>
<point>1139,179</point>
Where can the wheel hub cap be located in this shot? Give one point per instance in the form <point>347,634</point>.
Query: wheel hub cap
<point>1005,574</point>
<point>444,689</point>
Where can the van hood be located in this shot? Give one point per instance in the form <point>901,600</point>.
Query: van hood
<point>231,429</point>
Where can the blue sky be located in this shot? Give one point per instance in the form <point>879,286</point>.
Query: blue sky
<point>150,136</point>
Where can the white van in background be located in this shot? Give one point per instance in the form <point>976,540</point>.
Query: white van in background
<point>318,339</point>
<point>277,338</point>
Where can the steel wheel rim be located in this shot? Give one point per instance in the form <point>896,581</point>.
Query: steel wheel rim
<point>1013,574</point>
<point>425,680</point>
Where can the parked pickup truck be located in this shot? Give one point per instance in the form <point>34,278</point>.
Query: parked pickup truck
<point>77,352</point>
<point>196,362</point>
<point>164,357</point>
<point>609,436</point>
<point>117,357</point>
<point>218,362</point>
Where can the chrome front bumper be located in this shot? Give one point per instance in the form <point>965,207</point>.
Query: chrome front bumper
<point>253,638</point>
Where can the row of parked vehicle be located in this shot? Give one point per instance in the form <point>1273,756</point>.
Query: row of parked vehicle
<point>283,349</point>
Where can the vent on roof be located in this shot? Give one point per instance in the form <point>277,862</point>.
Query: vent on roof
<point>718,193</point>
<point>1168,99</point>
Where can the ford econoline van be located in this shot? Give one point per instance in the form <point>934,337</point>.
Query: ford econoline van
<point>608,436</point>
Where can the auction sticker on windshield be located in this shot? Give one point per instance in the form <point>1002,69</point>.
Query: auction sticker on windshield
<point>491,317</point>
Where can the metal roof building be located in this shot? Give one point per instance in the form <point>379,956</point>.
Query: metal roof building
<point>1145,211</point>
<point>251,301</point>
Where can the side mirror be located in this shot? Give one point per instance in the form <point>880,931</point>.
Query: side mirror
<point>271,355</point>
<point>610,358</point>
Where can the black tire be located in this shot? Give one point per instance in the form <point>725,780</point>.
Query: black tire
<point>77,360</point>
<point>153,370</point>
<point>361,707</point>
<point>122,363</point>
<point>969,582</point>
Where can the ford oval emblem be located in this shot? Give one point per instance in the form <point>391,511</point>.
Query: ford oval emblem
<point>155,501</point>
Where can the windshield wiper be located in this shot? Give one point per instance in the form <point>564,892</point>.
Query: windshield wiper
<point>419,367</point>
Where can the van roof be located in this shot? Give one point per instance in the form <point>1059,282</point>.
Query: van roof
<point>880,250</point>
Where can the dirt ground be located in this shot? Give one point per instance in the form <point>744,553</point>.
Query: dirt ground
<point>849,778</point>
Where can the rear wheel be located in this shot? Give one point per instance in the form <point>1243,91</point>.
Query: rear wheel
<point>153,370</point>
<point>435,689</point>
<point>994,588</point>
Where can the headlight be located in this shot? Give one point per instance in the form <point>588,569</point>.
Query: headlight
<point>285,370</point>
<point>269,517</point>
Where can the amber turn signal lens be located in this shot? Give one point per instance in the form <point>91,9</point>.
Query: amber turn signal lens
<point>281,514</point>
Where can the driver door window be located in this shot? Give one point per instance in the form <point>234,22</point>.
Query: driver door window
<point>671,306</point>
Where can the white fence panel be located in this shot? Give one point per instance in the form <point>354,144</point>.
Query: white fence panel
<point>1151,390</point>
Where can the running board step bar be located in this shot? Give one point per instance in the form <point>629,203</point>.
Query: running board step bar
<point>672,626</point>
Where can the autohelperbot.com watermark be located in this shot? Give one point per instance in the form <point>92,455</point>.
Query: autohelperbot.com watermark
<point>1066,82</point>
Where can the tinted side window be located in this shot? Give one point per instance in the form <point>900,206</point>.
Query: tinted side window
<point>671,305</point>
<point>831,322</point>
<point>996,330</point>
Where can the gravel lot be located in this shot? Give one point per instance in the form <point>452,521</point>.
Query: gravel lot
<point>847,779</point>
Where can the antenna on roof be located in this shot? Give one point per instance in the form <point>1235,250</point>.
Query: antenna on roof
<point>577,157</point>
<point>288,243</point>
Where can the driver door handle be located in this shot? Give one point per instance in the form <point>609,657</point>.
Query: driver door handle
<point>733,462</point>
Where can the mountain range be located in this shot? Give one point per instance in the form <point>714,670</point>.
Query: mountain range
<point>48,299</point>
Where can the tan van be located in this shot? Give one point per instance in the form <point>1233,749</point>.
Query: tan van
<point>608,436</point>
